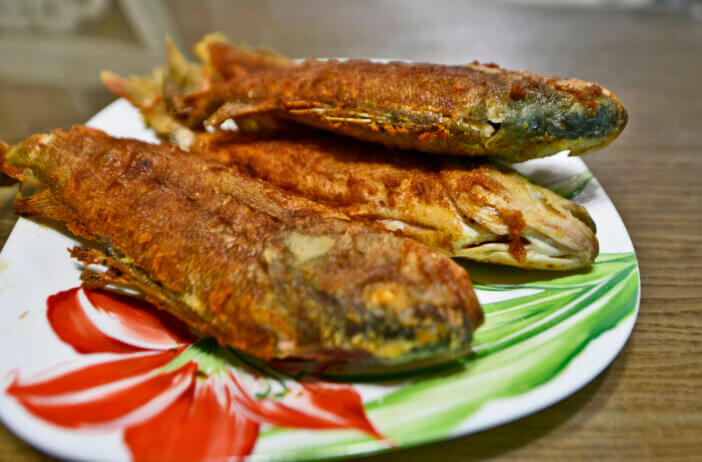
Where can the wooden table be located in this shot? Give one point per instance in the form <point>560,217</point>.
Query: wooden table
<point>648,403</point>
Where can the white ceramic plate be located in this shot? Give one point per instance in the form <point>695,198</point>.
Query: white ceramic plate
<point>545,336</point>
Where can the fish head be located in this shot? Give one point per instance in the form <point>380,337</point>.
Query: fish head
<point>509,220</point>
<point>377,296</point>
<point>540,116</point>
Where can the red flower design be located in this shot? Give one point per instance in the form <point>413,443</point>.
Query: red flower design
<point>175,397</point>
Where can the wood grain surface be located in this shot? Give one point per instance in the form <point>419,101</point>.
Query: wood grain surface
<point>648,404</point>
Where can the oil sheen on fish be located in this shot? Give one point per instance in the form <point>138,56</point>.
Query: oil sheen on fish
<point>470,110</point>
<point>465,207</point>
<point>259,269</point>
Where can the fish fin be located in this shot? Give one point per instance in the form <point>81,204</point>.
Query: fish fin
<point>249,117</point>
<point>228,60</point>
<point>43,204</point>
<point>335,117</point>
<point>259,117</point>
<point>93,279</point>
<point>181,77</point>
<point>183,80</point>
<point>145,94</point>
<point>121,273</point>
<point>237,110</point>
<point>202,47</point>
<point>115,274</point>
<point>266,113</point>
<point>142,92</point>
<point>89,256</point>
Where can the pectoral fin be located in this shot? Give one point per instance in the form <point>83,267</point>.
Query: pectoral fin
<point>44,204</point>
<point>248,117</point>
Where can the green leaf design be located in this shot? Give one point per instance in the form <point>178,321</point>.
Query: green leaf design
<point>571,186</point>
<point>206,352</point>
<point>493,278</point>
<point>526,341</point>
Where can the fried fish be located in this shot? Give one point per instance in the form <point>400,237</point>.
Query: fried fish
<point>259,269</point>
<point>469,110</point>
<point>465,207</point>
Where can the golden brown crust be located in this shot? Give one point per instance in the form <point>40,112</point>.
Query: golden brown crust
<point>463,110</point>
<point>466,208</point>
<point>453,206</point>
<point>267,272</point>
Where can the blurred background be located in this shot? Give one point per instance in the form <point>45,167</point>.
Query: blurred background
<point>52,50</point>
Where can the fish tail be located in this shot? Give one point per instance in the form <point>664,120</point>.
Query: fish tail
<point>227,60</point>
<point>202,47</point>
<point>142,92</point>
<point>182,77</point>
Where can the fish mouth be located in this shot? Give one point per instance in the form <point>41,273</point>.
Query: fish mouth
<point>384,318</point>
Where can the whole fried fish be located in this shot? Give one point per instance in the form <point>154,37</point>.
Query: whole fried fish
<point>264,271</point>
<point>467,110</point>
<point>464,207</point>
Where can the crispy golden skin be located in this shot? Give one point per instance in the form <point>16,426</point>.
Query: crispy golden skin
<point>462,110</point>
<point>466,208</point>
<point>264,271</point>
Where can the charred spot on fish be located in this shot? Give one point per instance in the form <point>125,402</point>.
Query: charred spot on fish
<point>138,166</point>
